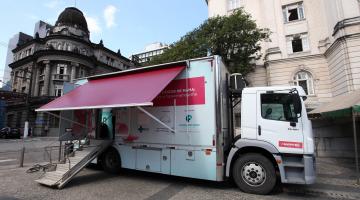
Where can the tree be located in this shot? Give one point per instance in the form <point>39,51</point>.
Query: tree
<point>236,38</point>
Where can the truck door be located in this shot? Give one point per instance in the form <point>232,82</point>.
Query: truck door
<point>277,122</point>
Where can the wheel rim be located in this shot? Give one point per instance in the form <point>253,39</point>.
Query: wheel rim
<point>253,174</point>
<point>111,159</point>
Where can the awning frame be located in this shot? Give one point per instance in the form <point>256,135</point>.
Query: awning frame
<point>97,107</point>
<point>155,118</point>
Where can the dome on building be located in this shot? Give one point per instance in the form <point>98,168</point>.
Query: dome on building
<point>72,16</point>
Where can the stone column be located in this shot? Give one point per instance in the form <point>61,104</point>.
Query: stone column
<point>33,76</point>
<point>36,84</point>
<point>47,77</point>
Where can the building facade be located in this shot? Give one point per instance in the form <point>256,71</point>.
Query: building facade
<point>42,28</point>
<point>314,44</point>
<point>17,40</point>
<point>150,51</point>
<point>41,66</point>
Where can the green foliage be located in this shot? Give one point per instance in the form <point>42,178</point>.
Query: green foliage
<point>236,38</point>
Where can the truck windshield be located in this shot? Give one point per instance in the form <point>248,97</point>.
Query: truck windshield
<point>278,107</point>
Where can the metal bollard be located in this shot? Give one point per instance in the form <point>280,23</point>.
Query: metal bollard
<point>22,153</point>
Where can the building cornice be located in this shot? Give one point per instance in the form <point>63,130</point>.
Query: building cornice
<point>337,42</point>
<point>298,58</point>
<point>58,36</point>
<point>354,21</point>
<point>47,52</point>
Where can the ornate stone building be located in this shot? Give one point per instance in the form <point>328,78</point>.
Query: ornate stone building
<point>42,66</point>
<point>314,44</point>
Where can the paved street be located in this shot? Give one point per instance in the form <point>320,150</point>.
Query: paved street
<point>336,180</point>
<point>34,150</point>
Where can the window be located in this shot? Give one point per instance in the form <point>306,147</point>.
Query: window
<point>297,43</point>
<point>42,70</point>
<point>61,70</point>
<point>305,80</point>
<point>81,72</point>
<point>278,107</point>
<point>293,12</point>
<point>233,4</point>
<point>59,90</point>
<point>41,89</point>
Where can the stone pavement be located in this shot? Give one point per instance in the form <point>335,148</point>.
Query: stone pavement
<point>336,180</point>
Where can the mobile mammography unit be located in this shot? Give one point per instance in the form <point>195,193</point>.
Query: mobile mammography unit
<point>177,119</point>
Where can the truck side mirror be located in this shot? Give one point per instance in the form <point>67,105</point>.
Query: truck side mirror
<point>297,104</point>
<point>237,84</point>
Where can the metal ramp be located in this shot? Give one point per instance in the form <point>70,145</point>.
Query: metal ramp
<point>73,163</point>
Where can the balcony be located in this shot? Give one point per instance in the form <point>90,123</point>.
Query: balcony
<point>61,77</point>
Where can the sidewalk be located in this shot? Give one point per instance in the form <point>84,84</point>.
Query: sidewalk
<point>10,150</point>
<point>29,143</point>
<point>29,139</point>
<point>336,178</point>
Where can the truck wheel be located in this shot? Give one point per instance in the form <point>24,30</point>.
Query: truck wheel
<point>254,173</point>
<point>111,162</point>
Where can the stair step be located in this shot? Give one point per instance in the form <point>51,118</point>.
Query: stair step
<point>48,182</point>
<point>80,159</point>
<point>64,166</point>
<point>53,177</point>
<point>57,173</point>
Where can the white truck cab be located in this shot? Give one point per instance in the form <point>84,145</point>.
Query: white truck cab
<point>275,126</point>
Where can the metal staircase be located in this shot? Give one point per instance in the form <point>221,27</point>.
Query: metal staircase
<point>73,162</point>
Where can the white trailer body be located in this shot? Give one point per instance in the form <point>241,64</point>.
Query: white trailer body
<point>193,106</point>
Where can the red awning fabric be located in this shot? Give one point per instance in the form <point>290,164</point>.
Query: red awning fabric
<point>138,88</point>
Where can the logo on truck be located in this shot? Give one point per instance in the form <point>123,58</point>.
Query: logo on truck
<point>188,118</point>
<point>296,145</point>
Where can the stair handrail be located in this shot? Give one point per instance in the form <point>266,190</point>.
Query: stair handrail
<point>49,148</point>
<point>67,135</point>
<point>100,147</point>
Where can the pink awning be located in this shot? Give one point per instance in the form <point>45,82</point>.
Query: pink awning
<point>136,88</point>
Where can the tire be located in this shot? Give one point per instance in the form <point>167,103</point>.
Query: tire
<point>254,173</point>
<point>111,161</point>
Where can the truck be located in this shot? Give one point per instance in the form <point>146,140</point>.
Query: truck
<point>178,119</point>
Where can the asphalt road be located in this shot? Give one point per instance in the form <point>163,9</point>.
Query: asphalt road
<point>335,180</point>
<point>95,184</point>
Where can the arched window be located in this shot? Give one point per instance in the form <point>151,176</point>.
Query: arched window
<point>305,80</point>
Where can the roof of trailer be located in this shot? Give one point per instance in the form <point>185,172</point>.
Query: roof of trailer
<point>152,67</point>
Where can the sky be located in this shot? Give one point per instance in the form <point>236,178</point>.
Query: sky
<point>122,24</point>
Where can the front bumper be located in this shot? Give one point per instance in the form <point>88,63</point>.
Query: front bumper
<point>297,169</point>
